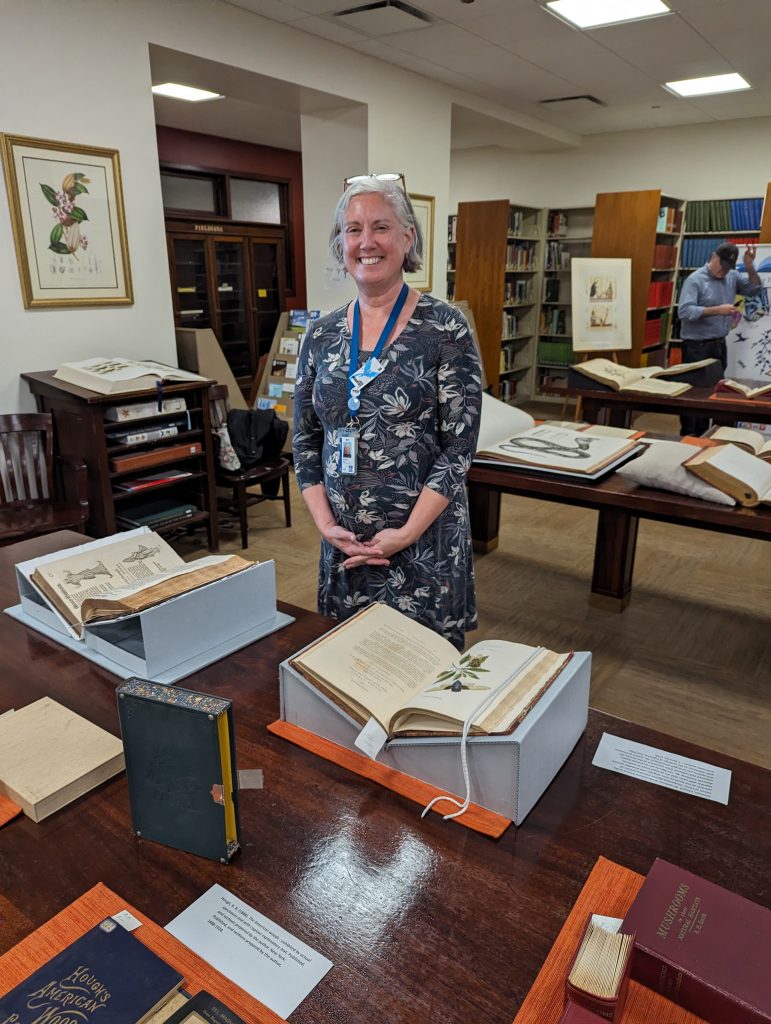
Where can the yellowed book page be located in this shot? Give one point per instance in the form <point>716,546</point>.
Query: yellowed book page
<point>607,372</point>
<point>656,386</point>
<point>70,580</point>
<point>176,1002</point>
<point>50,755</point>
<point>739,435</point>
<point>135,598</point>
<point>468,682</point>
<point>679,368</point>
<point>379,659</point>
<point>746,468</point>
<point>568,450</point>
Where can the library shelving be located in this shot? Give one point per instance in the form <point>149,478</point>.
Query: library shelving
<point>568,234</point>
<point>644,226</point>
<point>498,261</point>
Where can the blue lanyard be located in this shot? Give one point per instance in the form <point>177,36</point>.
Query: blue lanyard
<point>398,306</point>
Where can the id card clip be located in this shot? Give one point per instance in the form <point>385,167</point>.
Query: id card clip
<point>348,450</point>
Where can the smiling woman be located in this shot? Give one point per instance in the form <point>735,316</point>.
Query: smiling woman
<point>387,407</point>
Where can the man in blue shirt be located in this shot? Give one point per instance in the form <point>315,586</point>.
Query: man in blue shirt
<point>706,309</point>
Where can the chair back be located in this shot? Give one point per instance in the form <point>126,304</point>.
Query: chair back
<point>219,404</point>
<point>26,457</point>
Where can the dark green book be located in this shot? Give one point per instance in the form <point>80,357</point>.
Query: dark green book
<point>181,767</point>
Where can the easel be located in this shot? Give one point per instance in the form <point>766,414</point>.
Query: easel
<point>604,354</point>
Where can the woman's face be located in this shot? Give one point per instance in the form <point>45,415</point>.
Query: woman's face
<point>374,243</point>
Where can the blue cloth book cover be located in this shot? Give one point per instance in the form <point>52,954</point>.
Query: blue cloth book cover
<point>106,976</point>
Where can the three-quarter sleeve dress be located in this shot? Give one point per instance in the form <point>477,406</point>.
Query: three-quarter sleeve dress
<point>418,425</point>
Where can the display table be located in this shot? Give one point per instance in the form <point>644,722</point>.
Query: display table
<point>423,920</point>
<point>616,407</point>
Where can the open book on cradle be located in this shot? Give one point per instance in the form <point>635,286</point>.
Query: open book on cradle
<point>746,388</point>
<point>556,450</point>
<point>381,664</point>
<point>651,380</point>
<point>107,976</point>
<point>126,575</point>
<point>734,471</point>
<point>117,375</point>
<point>751,441</point>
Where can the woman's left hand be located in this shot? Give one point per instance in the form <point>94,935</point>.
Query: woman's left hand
<point>383,544</point>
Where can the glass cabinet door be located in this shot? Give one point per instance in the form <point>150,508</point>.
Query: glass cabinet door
<point>232,306</point>
<point>190,277</point>
<point>267,291</point>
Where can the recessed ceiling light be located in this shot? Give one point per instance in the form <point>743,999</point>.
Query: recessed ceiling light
<point>185,92</point>
<point>707,86</point>
<point>592,13</point>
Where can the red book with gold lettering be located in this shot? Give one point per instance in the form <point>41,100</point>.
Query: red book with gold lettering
<point>703,947</point>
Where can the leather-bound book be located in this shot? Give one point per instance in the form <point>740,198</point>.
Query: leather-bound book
<point>703,947</point>
<point>598,977</point>
<point>575,1014</point>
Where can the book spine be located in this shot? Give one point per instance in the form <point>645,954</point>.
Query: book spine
<point>692,993</point>
<point>139,410</point>
<point>605,1010</point>
<point>148,435</point>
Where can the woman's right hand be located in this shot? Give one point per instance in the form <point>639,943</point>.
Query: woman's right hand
<point>346,542</point>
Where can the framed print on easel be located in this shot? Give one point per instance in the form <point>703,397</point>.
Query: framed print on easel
<point>601,295</point>
<point>68,223</point>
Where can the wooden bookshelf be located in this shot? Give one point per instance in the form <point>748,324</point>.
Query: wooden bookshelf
<point>765,222</point>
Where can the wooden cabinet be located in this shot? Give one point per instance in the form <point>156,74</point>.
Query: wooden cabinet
<point>82,430</point>
<point>232,281</point>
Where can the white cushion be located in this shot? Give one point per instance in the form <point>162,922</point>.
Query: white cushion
<point>662,466</point>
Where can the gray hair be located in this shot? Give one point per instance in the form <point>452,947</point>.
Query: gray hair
<point>402,207</point>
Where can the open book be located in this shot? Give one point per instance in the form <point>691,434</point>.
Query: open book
<point>382,665</point>
<point>747,388</point>
<point>127,575</point>
<point>562,451</point>
<point>644,379</point>
<point>751,441</point>
<point>109,375</point>
<point>735,472</point>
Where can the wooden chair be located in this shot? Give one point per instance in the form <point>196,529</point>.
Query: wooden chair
<point>37,495</point>
<point>268,472</point>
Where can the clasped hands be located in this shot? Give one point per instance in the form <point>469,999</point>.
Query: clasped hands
<point>376,551</point>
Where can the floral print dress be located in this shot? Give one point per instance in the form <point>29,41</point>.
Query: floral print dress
<point>418,425</point>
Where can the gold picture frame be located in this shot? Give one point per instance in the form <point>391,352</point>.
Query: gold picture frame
<point>424,214</point>
<point>69,227</point>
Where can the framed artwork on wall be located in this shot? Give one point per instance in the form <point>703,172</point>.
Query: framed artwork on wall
<point>424,214</point>
<point>601,293</point>
<point>69,227</point>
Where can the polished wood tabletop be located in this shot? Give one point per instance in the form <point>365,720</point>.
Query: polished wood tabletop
<point>423,920</point>
<point>599,405</point>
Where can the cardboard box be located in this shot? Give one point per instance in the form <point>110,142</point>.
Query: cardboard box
<point>508,773</point>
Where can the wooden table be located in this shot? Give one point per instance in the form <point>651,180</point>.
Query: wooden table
<point>620,505</point>
<point>616,407</point>
<point>423,920</point>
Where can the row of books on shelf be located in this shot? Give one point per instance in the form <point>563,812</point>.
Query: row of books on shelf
<point>660,293</point>
<point>664,256</point>
<point>521,255</point>
<point>656,330</point>
<point>555,353</point>
<point>723,215</point>
<point>670,219</point>
<point>511,389</point>
<point>508,361</point>
<point>694,252</point>
<point>518,222</point>
<point>512,325</point>
<point>551,289</point>
<point>557,224</point>
<point>518,291</point>
<point>552,321</point>
<point>557,256</point>
<point>452,228</point>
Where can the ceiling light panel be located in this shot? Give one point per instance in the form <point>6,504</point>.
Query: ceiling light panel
<point>185,92</point>
<point>709,86</point>
<point>595,13</point>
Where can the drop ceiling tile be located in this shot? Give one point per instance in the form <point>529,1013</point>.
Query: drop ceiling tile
<point>733,105</point>
<point>379,48</point>
<point>663,69</point>
<point>668,30</point>
<point>521,23</point>
<point>276,10</point>
<point>324,6</point>
<point>720,18</point>
<point>457,13</point>
<point>328,28</point>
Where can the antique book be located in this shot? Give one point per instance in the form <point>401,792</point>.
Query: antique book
<point>703,947</point>
<point>154,457</point>
<point>644,379</point>
<point>151,480</point>
<point>181,767</point>
<point>734,471</point>
<point>203,1008</point>
<point>140,410</point>
<point>598,977</point>
<point>575,1014</point>
<point>559,450</point>
<point>381,664</point>
<point>747,388</point>
<point>123,577</point>
<point>109,375</point>
<point>751,441</point>
<point>143,436</point>
<point>157,512</point>
<point>107,976</point>
<point>49,756</point>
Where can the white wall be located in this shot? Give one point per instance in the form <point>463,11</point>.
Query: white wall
<point>729,159</point>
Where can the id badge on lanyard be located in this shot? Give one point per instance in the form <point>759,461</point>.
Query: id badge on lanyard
<point>348,450</point>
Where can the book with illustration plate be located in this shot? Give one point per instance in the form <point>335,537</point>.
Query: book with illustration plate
<point>107,976</point>
<point>651,380</point>
<point>570,453</point>
<point>111,375</point>
<point>745,388</point>
<point>381,664</point>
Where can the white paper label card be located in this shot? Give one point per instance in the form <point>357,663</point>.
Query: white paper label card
<point>610,924</point>
<point>256,953</point>
<point>371,739</point>
<point>663,768</point>
<point>127,920</point>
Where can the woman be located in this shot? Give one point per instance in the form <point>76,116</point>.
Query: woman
<point>381,457</point>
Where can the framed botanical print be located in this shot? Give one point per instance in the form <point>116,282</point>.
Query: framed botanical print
<point>601,293</point>
<point>424,214</point>
<point>69,227</point>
